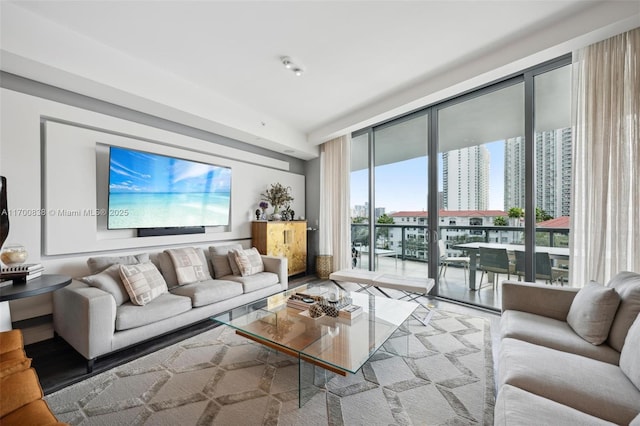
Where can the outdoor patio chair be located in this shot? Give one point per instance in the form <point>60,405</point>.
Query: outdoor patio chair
<point>495,261</point>
<point>445,260</point>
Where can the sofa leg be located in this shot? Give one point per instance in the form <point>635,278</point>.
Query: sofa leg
<point>90,363</point>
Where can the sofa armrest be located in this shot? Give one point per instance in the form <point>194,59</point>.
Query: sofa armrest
<point>279,266</point>
<point>551,302</point>
<point>85,317</point>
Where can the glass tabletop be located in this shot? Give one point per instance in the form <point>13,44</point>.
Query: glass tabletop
<point>343,343</point>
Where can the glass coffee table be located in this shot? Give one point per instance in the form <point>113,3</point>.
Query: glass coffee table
<point>335,344</point>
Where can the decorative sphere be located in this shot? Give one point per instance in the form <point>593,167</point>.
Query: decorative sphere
<point>13,254</point>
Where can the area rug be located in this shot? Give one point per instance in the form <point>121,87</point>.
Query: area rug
<point>219,378</point>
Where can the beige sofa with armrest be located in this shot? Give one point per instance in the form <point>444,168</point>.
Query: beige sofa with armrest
<point>97,322</point>
<point>549,374</point>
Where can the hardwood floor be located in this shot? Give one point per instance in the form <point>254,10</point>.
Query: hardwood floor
<point>58,365</point>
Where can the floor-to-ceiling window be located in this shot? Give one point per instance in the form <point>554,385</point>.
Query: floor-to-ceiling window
<point>481,185</point>
<point>552,160</point>
<point>359,198</point>
<point>442,186</point>
<point>400,181</point>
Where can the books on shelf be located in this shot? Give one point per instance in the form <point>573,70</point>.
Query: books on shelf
<point>350,311</point>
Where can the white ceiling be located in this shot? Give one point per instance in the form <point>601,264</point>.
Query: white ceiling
<point>216,64</point>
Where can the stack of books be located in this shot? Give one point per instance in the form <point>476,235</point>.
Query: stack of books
<point>23,272</point>
<point>350,311</point>
<point>300,301</point>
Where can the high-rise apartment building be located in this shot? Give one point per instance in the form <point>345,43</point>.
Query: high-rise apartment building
<point>465,180</point>
<point>553,172</point>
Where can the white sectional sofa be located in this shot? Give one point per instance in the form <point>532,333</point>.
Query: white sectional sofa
<point>96,315</point>
<point>563,361</point>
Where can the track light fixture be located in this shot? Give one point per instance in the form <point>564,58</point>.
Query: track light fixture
<point>288,64</point>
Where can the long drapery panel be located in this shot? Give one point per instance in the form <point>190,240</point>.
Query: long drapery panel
<point>335,218</point>
<point>605,208</point>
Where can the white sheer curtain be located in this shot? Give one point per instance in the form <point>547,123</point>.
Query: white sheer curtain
<point>335,217</point>
<point>605,208</point>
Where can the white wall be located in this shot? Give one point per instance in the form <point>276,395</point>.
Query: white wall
<point>66,178</point>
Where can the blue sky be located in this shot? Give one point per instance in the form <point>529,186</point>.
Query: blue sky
<point>141,172</point>
<point>402,186</point>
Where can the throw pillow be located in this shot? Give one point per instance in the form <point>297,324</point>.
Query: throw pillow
<point>109,280</point>
<point>99,264</point>
<point>249,261</point>
<point>232,262</point>
<point>592,311</point>
<point>220,259</point>
<point>630,355</point>
<point>627,285</point>
<point>143,282</point>
<point>189,265</point>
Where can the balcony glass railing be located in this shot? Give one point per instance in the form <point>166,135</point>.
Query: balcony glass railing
<point>410,242</point>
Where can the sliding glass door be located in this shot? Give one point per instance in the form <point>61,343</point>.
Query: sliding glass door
<point>482,186</point>
<point>435,190</point>
<point>400,177</point>
<point>552,90</point>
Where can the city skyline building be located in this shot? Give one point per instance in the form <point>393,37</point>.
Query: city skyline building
<point>465,178</point>
<point>553,172</point>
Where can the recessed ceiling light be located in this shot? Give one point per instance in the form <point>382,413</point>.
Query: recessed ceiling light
<point>286,61</point>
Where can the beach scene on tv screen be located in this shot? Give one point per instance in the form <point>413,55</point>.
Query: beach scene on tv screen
<point>151,191</point>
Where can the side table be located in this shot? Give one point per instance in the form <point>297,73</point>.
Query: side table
<point>20,290</point>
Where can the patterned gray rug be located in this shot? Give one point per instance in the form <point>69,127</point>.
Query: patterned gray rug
<point>218,378</point>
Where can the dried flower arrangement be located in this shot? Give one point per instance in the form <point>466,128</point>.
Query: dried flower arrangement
<point>277,195</point>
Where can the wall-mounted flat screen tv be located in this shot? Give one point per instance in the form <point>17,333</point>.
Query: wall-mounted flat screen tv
<point>149,190</point>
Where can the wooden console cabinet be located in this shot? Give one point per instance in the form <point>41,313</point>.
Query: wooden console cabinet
<point>282,238</point>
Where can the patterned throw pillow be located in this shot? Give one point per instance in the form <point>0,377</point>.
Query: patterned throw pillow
<point>249,261</point>
<point>143,282</point>
<point>188,265</point>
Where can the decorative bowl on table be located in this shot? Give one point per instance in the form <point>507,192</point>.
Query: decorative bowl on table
<point>13,254</point>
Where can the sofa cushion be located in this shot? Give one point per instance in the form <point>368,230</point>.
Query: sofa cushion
<point>255,282</point>
<point>592,312</point>
<point>99,264</point>
<point>249,261</point>
<point>109,280</point>
<point>235,270</point>
<point>18,390</point>
<point>165,265</point>
<point>630,355</point>
<point>190,265</point>
<point>162,307</point>
<point>28,414</point>
<point>11,345</point>
<point>593,387</point>
<point>11,366</point>
<point>207,292</point>
<point>220,260</point>
<point>143,282</point>
<point>553,334</point>
<point>515,406</point>
<point>627,285</point>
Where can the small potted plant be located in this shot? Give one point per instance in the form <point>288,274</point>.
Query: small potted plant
<point>277,195</point>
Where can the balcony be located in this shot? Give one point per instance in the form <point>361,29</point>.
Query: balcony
<point>403,250</point>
